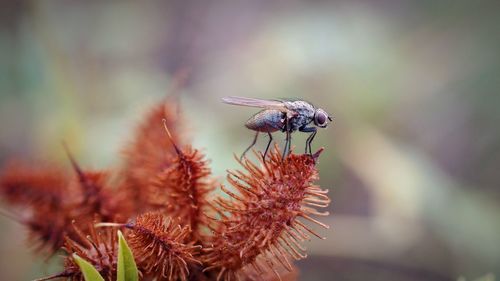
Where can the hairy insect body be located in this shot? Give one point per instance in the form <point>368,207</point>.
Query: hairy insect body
<point>304,114</point>
<point>267,121</point>
<point>287,116</point>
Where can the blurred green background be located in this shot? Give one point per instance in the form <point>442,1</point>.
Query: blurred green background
<point>412,159</point>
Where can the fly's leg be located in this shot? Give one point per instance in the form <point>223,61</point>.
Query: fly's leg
<point>288,141</point>
<point>268,144</point>
<point>251,145</point>
<point>289,149</point>
<point>313,131</point>
<point>286,149</point>
<point>309,141</point>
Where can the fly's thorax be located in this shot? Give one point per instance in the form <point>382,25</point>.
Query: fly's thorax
<point>305,114</point>
<point>268,120</point>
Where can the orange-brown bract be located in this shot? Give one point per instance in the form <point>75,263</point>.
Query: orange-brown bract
<point>162,176</point>
<point>98,246</point>
<point>149,154</point>
<point>29,186</point>
<point>51,200</point>
<point>40,194</point>
<point>260,227</point>
<point>181,190</point>
<point>159,247</point>
<point>97,198</point>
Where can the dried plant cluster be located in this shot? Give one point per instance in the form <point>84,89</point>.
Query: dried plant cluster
<point>165,201</point>
<point>99,247</point>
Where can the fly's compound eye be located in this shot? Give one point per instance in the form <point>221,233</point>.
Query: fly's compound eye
<point>321,118</point>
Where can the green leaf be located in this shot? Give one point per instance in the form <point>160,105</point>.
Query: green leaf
<point>127,269</point>
<point>89,272</point>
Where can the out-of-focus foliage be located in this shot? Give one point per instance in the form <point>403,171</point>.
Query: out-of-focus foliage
<point>412,156</point>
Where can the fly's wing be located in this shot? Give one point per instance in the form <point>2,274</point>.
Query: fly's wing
<point>262,103</point>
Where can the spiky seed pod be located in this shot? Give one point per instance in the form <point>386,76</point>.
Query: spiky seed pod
<point>149,153</point>
<point>25,186</point>
<point>47,229</point>
<point>85,201</point>
<point>259,226</point>
<point>181,190</point>
<point>42,195</point>
<point>89,200</point>
<point>97,198</point>
<point>159,248</point>
<point>50,200</point>
<point>99,247</point>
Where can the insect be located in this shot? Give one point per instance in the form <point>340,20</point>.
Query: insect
<point>287,116</point>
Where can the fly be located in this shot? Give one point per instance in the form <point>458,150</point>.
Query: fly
<point>286,116</point>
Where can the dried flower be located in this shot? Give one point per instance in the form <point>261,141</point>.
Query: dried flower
<point>260,224</point>
<point>100,248</point>
<point>159,247</point>
<point>51,200</point>
<point>23,185</point>
<point>97,197</point>
<point>149,154</point>
<point>181,190</point>
<point>42,193</point>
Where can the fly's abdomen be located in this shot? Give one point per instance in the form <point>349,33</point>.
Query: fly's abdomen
<point>268,120</point>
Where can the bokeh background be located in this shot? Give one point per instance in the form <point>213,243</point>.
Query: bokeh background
<point>412,159</point>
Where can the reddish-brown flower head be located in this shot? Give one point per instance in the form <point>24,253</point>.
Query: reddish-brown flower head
<point>181,190</point>
<point>97,197</point>
<point>99,247</point>
<point>41,195</point>
<point>24,186</point>
<point>149,154</point>
<point>50,200</point>
<point>160,248</point>
<point>260,223</point>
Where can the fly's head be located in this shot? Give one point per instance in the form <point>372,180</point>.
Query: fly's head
<point>321,118</point>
